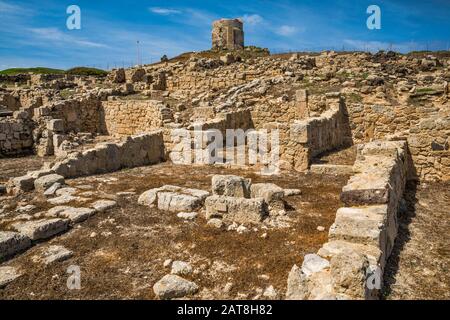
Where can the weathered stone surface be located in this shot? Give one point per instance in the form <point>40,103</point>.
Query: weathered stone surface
<point>231,186</point>
<point>53,253</point>
<point>228,34</point>
<point>172,286</point>
<point>76,215</point>
<point>55,125</point>
<point>187,215</point>
<point>297,285</point>
<point>21,184</point>
<point>313,263</point>
<point>52,190</point>
<point>349,270</point>
<point>103,205</point>
<point>272,194</point>
<point>8,275</point>
<point>181,268</point>
<point>238,210</point>
<point>175,202</point>
<point>43,183</point>
<point>12,243</point>
<point>173,198</point>
<point>334,169</point>
<point>41,229</point>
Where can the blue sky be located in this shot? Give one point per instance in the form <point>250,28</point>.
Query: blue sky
<point>34,33</point>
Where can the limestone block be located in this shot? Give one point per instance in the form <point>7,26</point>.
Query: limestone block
<point>365,225</point>
<point>313,263</point>
<point>7,275</point>
<point>76,215</point>
<point>239,210</point>
<point>43,183</point>
<point>349,271</point>
<point>231,186</point>
<point>21,184</point>
<point>175,202</point>
<point>55,125</point>
<point>173,198</point>
<point>272,195</point>
<point>12,243</point>
<point>41,229</point>
<point>172,286</point>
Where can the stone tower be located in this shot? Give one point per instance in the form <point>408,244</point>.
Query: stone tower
<point>228,34</point>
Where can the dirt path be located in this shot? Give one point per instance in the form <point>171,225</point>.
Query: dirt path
<point>420,264</point>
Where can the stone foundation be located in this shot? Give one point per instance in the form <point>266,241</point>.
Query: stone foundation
<point>351,264</point>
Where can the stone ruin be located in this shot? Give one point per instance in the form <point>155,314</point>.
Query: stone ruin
<point>228,34</point>
<point>395,112</point>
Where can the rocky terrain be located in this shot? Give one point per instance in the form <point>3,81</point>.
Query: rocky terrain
<point>89,178</point>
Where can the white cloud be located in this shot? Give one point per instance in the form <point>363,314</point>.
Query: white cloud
<point>286,30</point>
<point>57,36</point>
<point>252,19</point>
<point>13,9</point>
<point>164,11</point>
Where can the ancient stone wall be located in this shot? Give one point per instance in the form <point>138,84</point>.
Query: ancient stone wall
<point>128,117</point>
<point>301,141</point>
<point>281,109</point>
<point>427,129</point>
<point>351,264</point>
<point>134,151</point>
<point>81,114</point>
<point>219,78</point>
<point>16,134</point>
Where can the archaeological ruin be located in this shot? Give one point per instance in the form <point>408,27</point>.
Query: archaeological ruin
<point>115,175</point>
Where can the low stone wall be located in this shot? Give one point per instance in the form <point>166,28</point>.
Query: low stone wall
<point>302,140</point>
<point>134,151</point>
<point>128,117</point>
<point>106,157</point>
<point>16,135</point>
<point>351,264</point>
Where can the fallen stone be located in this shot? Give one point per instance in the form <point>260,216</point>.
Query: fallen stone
<point>52,190</point>
<point>181,268</point>
<point>8,275</point>
<point>64,199</point>
<point>231,186</point>
<point>43,183</point>
<point>21,184</point>
<point>53,253</point>
<point>173,198</point>
<point>238,210</point>
<point>76,215</point>
<point>12,243</point>
<point>292,192</point>
<point>41,229</point>
<point>103,205</point>
<point>27,208</point>
<point>187,215</point>
<point>272,195</point>
<point>270,293</point>
<point>215,223</point>
<point>172,286</point>
<point>66,191</point>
